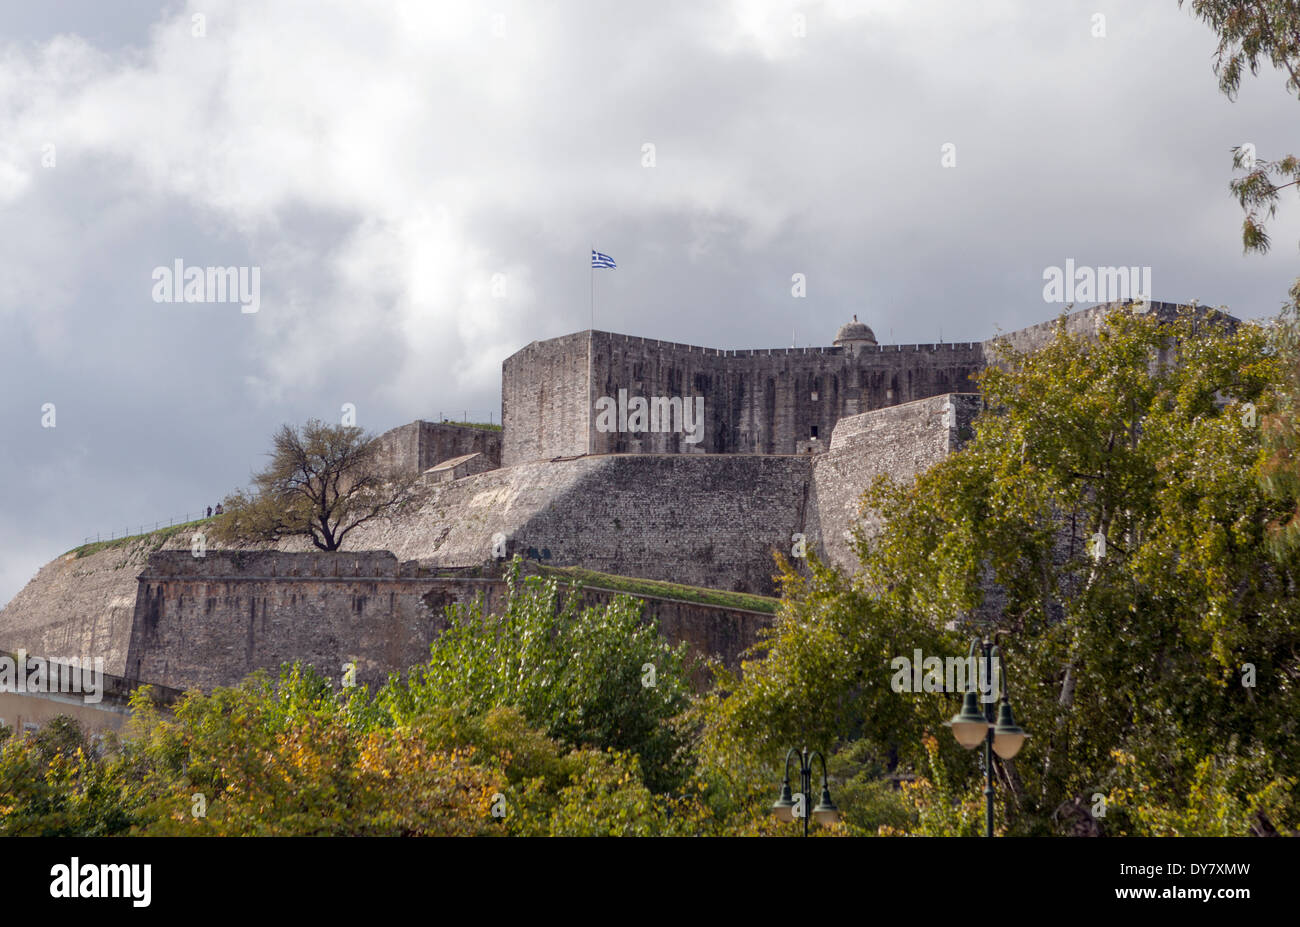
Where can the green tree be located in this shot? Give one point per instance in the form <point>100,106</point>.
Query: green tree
<point>292,756</point>
<point>1252,32</point>
<point>1141,651</point>
<point>589,676</point>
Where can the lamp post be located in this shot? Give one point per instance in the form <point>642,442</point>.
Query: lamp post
<point>825,813</point>
<point>975,723</point>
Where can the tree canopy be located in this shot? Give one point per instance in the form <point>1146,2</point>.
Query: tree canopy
<point>1178,646</point>
<point>322,482</point>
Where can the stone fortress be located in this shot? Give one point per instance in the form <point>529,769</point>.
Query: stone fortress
<point>772,401</point>
<point>618,454</point>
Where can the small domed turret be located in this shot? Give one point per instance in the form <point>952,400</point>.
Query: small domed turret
<point>854,335</point>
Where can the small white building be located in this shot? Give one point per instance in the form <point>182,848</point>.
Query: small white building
<point>456,467</point>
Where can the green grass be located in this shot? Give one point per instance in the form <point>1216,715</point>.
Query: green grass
<point>159,538</point>
<point>629,584</point>
<point>635,586</point>
<point>484,425</point>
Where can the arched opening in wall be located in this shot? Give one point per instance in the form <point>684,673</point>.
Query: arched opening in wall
<point>816,407</point>
<point>742,419</point>
<point>730,431</point>
<point>539,419</point>
<point>702,385</point>
<point>891,394</point>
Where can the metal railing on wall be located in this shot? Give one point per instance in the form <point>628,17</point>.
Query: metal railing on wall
<point>468,415</point>
<point>146,529</point>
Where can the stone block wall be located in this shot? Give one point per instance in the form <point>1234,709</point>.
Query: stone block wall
<point>210,621</point>
<point>707,520</point>
<point>413,448</point>
<point>204,622</point>
<point>79,606</point>
<point>704,520</point>
<point>545,400</point>
<point>900,442</point>
<point>1086,323</point>
<point>755,401</point>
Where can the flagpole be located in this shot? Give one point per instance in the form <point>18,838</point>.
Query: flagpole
<point>593,289</point>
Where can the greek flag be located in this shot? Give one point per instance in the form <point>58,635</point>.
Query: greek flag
<point>602,260</point>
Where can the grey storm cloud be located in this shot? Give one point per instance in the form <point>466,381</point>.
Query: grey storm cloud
<point>420,185</point>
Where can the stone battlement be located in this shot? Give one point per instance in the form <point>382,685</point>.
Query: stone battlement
<point>832,351</point>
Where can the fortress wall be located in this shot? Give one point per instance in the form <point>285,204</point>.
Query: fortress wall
<point>545,390</point>
<point>906,373</point>
<point>704,520</point>
<point>452,524</point>
<point>398,449</point>
<point>1085,322</point>
<point>79,607</point>
<point>84,607</point>
<point>901,442</point>
<point>761,402</point>
<point>417,446</point>
<point>649,368</point>
<point>707,520</point>
<point>211,621</point>
<point>439,442</point>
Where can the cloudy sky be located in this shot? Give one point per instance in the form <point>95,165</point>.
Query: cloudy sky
<point>420,184</point>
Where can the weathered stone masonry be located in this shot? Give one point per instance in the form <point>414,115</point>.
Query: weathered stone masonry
<point>414,448</point>
<point>649,505</point>
<point>210,621</point>
<point>756,402</point>
<point>765,401</point>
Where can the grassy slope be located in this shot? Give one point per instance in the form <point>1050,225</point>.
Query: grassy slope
<point>635,586</point>
<point>629,584</point>
<point>160,537</point>
<point>484,425</point>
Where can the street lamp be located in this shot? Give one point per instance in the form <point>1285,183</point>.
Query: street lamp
<point>975,723</point>
<point>784,808</point>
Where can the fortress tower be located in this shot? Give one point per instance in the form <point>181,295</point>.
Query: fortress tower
<point>765,401</point>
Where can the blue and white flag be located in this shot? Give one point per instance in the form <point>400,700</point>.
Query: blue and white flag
<point>602,260</point>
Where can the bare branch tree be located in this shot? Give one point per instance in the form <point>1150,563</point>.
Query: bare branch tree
<point>323,482</point>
